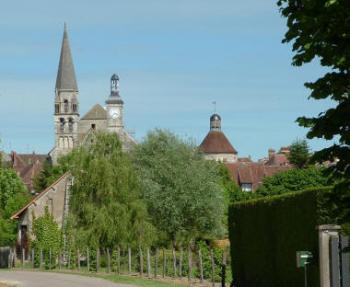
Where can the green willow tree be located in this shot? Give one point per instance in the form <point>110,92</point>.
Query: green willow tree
<point>320,30</point>
<point>13,195</point>
<point>106,208</point>
<point>183,191</point>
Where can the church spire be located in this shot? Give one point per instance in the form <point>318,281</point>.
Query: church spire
<point>66,80</point>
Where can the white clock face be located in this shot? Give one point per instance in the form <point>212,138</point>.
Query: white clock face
<point>114,113</point>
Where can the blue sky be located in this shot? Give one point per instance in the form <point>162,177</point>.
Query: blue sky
<point>174,58</point>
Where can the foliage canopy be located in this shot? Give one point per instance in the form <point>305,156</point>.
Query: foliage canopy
<point>183,191</point>
<point>105,202</point>
<point>321,30</point>
<point>293,180</point>
<point>299,153</point>
<point>13,195</point>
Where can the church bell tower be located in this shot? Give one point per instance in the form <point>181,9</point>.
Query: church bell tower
<point>114,106</point>
<point>66,114</point>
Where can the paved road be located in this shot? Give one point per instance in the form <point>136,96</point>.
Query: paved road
<point>46,279</point>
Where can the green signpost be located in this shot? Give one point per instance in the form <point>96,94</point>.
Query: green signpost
<point>303,259</point>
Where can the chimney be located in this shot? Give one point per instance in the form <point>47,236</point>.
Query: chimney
<point>271,153</point>
<point>285,150</point>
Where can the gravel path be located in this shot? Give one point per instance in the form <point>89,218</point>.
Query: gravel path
<point>46,279</point>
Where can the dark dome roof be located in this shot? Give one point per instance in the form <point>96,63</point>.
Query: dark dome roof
<point>215,117</point>
<point>115,77</point>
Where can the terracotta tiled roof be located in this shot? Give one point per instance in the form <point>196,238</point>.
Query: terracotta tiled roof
<point>216,142</point>
<point>252,172</point>
<point>33,200</point>
<point>278,159</point>
<point>245,159</point>
<point>27,166</point>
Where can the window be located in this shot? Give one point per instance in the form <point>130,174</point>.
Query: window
<point>62,122</point>
<point>57,108</point>
<point>93,126</point>
<point>247,187</point>
<point>70,124</point>
<point>74,106</point>
<point>65,106</point>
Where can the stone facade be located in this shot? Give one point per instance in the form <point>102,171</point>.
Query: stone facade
<point>55,198</point>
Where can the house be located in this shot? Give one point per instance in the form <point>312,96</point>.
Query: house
<point>55,198</point>
<point>247,174</point>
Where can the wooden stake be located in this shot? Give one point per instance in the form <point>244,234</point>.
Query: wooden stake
<point>69,253</point>
<point>118,260</point>
<point>59,260</point>
<point>50,259</point>
<point>33,258</point>
<point>88,259</point>
<point>156,263</point>
<point>129,260</point>
<point>180,262</point>
<point>223,269</point>
<point>23,255</point>
<point>164,264</point>
<point>189,264</point>
<point>148,263</point>
<point>212,267</point>
<point>78,259</point>
<point>174,261</point>
<point>200,265</point>
<point>108,261</point>
<point>97,259</point>
<point>141,261</point>
<point>41,258</point>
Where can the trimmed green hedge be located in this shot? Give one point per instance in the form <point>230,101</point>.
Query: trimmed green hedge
<point>266,233</point>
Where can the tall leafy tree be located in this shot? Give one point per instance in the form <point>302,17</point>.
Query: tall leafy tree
<point>182,190</point>
<point>299,153</point>
<point>320,30</point>
<point>105,203</point>
<point>13,195</point>
<point>293,180</point>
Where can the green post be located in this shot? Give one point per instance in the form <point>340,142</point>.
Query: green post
<point>303,259</point>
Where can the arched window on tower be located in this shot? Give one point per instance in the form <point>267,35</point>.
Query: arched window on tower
<point>57,108</point>
<point>74,108</point>
<point>65,104</point>
<point>62,122</point>
<point>70,124</point>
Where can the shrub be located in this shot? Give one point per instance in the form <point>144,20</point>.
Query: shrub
<point>47,238</point>
<point>266,233</point>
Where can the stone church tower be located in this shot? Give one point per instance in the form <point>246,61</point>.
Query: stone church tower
<point>66,116</point>
<point>72,131</point>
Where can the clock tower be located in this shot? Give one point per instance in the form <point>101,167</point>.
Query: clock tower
<point>114,106</point>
